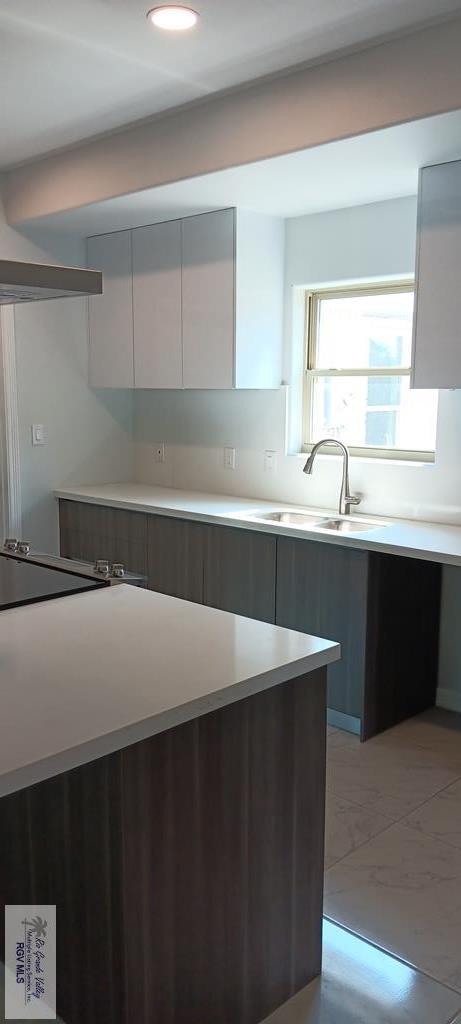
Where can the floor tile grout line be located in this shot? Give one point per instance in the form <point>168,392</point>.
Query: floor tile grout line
<point>366,810</point>
<point>359,847</point>
<point>429,755</point>
<point>437,793</point>
<point>400,959</point>
<point>360,807</point>
<point>420,831</point>
<point>391,822</point>
<point>395,821</point>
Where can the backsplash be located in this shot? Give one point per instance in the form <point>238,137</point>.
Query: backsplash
<point>196,425</point>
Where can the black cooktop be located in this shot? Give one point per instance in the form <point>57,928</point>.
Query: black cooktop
<point>24,583</point>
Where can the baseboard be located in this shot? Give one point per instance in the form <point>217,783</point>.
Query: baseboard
<point>342,721</point>
<point>448,699</point>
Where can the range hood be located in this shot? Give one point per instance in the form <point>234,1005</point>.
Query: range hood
<point>30,282</point>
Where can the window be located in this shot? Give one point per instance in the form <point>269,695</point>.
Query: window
<point>357,377</point>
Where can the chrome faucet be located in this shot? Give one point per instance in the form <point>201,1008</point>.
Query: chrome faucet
<point>345,498</point>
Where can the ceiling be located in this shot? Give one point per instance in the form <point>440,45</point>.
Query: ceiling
<point>373,167</point>
<point>72,70</point>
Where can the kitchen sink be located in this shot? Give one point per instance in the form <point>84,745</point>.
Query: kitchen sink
<point>347,525</point>
<point>287,518</point>
<point>307,520</point>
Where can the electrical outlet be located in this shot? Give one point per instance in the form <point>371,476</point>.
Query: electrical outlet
<point>229,458</point>
<point>270,461</point>
<point>159,452</point>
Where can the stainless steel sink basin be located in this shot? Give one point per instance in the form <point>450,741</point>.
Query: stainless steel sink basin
<point>307,520</point>
<point>287,518</point>
<point>347,525</point>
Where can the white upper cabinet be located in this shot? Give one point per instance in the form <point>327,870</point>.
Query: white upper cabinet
<point>259,278</point>
<point>157,305</point>
<point>111,314</point>
<point>232,293</point>
<point>208,298</point>
<point>436,359</point>
<point>200,306</point>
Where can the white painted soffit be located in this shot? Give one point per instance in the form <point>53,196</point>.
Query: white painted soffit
<point>375,167</point>
<point>398,81</point>
<point>73,70</point>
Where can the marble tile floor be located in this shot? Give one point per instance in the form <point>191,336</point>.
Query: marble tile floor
<point>360,984</point>
<point>393,841</point>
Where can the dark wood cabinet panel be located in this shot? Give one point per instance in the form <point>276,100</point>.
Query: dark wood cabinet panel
<point>240,572</point>
<point>402,640</point>
<point>96,531</point>
<point>176,557</point>
<point>322,589</point>
<point>60,844</point>
<point>223,849</point>
<point>187,869</point>
<point>383,609</point>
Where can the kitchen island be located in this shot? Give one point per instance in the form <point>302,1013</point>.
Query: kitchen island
<point>162,779</point>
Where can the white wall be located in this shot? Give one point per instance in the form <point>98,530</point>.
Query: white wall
<point>89,433</point>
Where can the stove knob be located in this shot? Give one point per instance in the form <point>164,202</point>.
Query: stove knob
<point>101,565</point>
<point>11,544</point>
<point>118,570</point>
<point>24,547</point>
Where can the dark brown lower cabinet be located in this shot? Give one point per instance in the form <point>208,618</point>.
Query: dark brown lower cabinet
<point>176,557</point>
<point>384,611</point>
<point>322,589</point>
<point>240,572</point>
<point>88,532</point>
<point>220,566</point>
<point>187,869</point>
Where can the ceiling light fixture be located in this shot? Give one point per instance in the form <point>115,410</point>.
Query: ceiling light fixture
<point>174,18</point>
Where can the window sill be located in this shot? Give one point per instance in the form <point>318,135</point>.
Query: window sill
<point>409,460</point>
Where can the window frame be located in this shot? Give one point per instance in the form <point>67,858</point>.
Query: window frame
<point>313,297</point>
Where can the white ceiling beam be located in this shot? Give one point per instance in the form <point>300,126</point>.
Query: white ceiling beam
<point>401,80</point>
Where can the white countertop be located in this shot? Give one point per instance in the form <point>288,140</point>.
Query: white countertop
<point>433,542</point>
<point>85,675</point>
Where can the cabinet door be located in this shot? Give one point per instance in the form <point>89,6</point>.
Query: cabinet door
<point>208,300</point>
<point>88,532</point>
<point>157,306</point>
<point>240,572</point>
<point>111,314</point>
<point>437,331</point>
<point>175,557</point>
<point>322,589</point>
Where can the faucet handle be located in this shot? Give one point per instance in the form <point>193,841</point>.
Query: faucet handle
<point>352,499</point>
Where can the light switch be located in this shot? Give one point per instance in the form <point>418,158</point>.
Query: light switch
<point>38,434</point>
